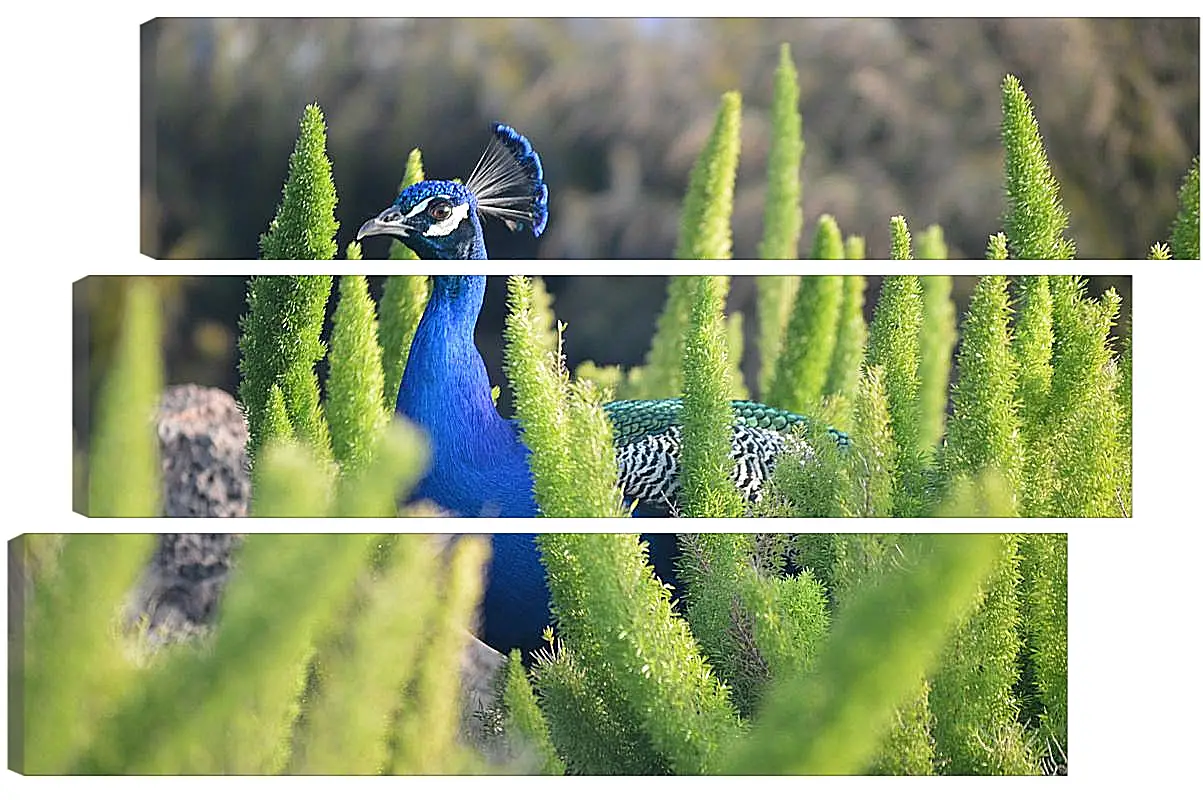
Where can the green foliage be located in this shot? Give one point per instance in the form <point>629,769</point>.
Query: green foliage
<point>929,244</point>
<point>525,726</point>
<point>1159,252</point>
<point>783,198</point>
<point>774,299</point>
<point>124,470</point>
<point>849,351</point>
<point>827,244</point>
<point>425,725</point>
<point>401,309</point>
<point>882,642</point>
<point>280,344</point>
<point>414,173</point>
<point>900,239</point>
<point>705,230</point>
<point>733,329</point>
<point>810,342</point>
<point>1035,220</point>
<point>996,247</point>
<point>894,346</point>
<point>985,429</point>
<point>72,672</point>
<point>936,340</point>
<point>1084,418</point>
<point>1033,346</point>
<point>354,390</point>
<point>572,445</point>
<point>634,653</point>
<point>854,248</point>
<point>1184,236</point>
<point>661,374</point>
<point>707,419</point>
<point>1044,600</point>
<point>363,664</point>
<point>304,225</point>
<point>974,714</point>
<point>875,448</point>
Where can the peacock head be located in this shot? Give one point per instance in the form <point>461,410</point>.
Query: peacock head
<point>441,219</point>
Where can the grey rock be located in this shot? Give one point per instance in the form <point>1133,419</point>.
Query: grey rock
<point>202,441</point>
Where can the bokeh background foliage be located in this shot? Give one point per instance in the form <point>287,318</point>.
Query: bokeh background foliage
<point>899,116</point>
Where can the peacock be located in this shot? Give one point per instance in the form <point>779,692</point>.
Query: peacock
<point>479,464</point>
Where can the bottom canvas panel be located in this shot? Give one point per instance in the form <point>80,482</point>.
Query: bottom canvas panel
<point>186,654</point>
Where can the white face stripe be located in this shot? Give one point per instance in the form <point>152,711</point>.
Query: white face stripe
<point>420,207</point>
<point>458,214</point>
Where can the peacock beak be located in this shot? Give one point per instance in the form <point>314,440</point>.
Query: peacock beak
<point>389,222</point>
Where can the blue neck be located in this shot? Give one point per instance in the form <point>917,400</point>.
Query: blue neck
<point>478,464</point>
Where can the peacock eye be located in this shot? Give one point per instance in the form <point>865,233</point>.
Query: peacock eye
<point>440,211</point>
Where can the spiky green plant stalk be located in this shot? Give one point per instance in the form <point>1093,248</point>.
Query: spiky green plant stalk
<point>774,299</point>
<point>424,736</point>
<point>974,715</point>
<point>73,667</point>
<point>854,248</point>
<point>875,449</point>
<point>1033,347</point>
<point>705,230</point>
<point>783,198</point>
<point>280,344</point>
<point>1085,418</point>
<point>851,333</point>
<point>810,341</point>
<point>414,173</point>
<point>525,726</point>
<point>572,457</point>
<point>614,614</point>
<point>365,661</point>
<point>734,333</point>
<point>984,429</point>
<point>894,346</point>
<point>828,243</point>
<point>1159,252</point>
<point>936,340</point>
<point>401,308</point>
<point>289,483</point>
<point>929,244</point>
<point>1184,234</point>
<point>123,467</point>
<point>241,689</point>
<point>900,239</point>
<point>996,247</point>
<point>1044,597</point>
<point>1034,221</point>
<point>661,375</point>
<point>355,387</point>
<point>304,226</point>
<point>881,644</point>
<point>398,460</point>
<point>707,420</point>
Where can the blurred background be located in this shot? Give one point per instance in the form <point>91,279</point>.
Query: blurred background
<point>611,319</point>
<point>899,116</point>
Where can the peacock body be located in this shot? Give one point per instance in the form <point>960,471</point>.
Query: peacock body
<point>479,465</point>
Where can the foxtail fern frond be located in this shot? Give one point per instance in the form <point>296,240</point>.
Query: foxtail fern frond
<point>280,344</point>
<point>984,429</point>
<point>1044,564</point>
<point>661,374</point>
<point>707,419</point>
<point>810,341</point>
<point>705,230</point>
<point>1035,220</point>
<point>355,387</point>
<point>525,726</point>
<point>936,340</point>
<point>882,642</point>
<point>851,334</point>
<point>929,244</point>
<point>304,226</point>
<point>974,714</point>
<point>774,299</point>
<point>401,308</point>
<point>124,473</point>
<point>72,668</point>
<point>894,346</point>
<point>289,483</point>
<point>783,198</point>
<point>365,661</point>
<point>828,243</point>
<point>996,247</point>
<point>854,248</point>
<point>1184,235</point>
<point>900,239</point>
